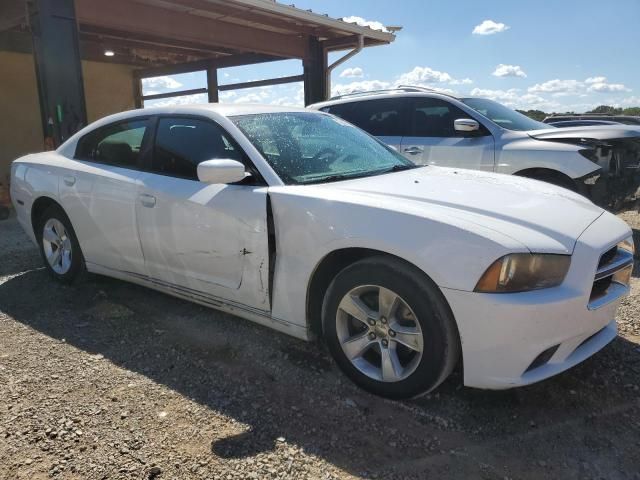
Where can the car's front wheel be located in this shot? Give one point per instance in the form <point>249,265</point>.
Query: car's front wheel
<point>389,328</point>
<point>59,245</point>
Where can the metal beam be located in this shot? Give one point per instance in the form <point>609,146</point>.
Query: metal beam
<point>58,68</point>
<point>200,65</point>
<point>261,83</point>
<point>212,85</point>
<point>179,93</point>
<point>12,14</point>
<point>315,73</point>
<point>128,16</point>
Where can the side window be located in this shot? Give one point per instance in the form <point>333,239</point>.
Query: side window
<point>118,144</point>
<point>182,143</point>
<point>378,117</point>
<point>433,117</point>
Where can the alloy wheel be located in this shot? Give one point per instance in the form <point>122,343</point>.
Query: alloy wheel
<point>57,246</point>
<point>379,333</point>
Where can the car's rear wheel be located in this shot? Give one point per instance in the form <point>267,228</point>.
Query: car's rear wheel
<point>59,245</point>
<point>389,328</point>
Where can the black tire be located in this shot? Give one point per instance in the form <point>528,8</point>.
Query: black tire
<point>77,265</point>
<point>441,344</point>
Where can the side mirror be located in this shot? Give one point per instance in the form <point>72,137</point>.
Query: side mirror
<point>221,171</point>
<point>466,125</point>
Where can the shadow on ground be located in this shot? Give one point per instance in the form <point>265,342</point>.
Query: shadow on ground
<point>568,427</point>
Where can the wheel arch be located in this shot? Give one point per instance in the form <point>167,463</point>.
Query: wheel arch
<point>539,173</point>
<point>334,262</point>
<point>38,208</point>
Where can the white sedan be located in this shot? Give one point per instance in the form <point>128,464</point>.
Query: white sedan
<point>302,222</point>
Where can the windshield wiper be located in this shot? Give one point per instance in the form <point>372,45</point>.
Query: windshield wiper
<point>336,177</point>
<point>401,168</point>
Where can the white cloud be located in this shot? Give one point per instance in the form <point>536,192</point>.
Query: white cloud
<point>558,88</point>
<point>355,72</point>
<point>365,23</point>
<point>515,99</point>
<point>464,81</point>
<point>600,84</point>
<point>504,96</point>
<point>489,27</point>
<point>425,76</point>
<point>633,101</point>
<point>164,82</point>
<point>182,100</point>
<point>503,70</point>
<point>361,86</point>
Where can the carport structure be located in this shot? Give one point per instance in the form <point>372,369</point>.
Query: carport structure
<point>75,61</point>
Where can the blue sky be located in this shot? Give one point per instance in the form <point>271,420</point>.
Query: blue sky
<point>551,55</point>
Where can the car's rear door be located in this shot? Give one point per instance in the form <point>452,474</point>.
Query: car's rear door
<point>434,141</point>
<point>99,194</point>
<point>386,118</point>
<point>208,241</point>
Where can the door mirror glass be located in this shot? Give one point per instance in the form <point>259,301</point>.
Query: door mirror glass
<point>221,171</point>
<point>466,125</point>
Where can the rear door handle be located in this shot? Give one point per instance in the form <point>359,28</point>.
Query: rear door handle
<point>69,180</point>
<point>413,150</point>
<point>147,200</point>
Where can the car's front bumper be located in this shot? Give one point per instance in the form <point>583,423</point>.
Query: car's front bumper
<point>505,336</point>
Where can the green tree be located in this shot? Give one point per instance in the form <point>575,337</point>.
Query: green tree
<point>631,111</point>
<point>607,109</point>
<point>535,114</point>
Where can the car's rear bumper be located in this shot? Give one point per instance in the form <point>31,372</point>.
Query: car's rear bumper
<point>509,340</point>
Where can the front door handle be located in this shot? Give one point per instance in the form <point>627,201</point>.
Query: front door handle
<point>413,150</point>
<point>69,180</point>
<point>147,200</point>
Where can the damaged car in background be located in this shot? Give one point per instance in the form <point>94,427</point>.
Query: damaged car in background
<point>433,128</point>
<point>614,148</point>
<point>302,222</point>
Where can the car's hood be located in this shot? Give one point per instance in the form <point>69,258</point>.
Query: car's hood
<point>543,217</point>
<point>596,132</point>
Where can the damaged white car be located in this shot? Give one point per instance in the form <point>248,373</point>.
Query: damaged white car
<point>300,221</point>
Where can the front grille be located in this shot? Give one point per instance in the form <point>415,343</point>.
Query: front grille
<point>611,262</point>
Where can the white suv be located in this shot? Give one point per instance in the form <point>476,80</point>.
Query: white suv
<point>432,128</point>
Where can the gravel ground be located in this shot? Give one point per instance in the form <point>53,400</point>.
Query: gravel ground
<point>108,380</point>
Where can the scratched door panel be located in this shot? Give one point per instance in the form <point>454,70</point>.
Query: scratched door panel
<point>208,238</point>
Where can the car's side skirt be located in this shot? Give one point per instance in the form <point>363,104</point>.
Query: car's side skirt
<point>261,317</point>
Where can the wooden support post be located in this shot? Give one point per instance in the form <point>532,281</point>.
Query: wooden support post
<point>315,72</point>
<point>137,90</point>
<point>212,85</point>
<point>56,51</point>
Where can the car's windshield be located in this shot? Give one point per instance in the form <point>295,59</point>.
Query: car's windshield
<point>310,147</point>
<point>504,116</point>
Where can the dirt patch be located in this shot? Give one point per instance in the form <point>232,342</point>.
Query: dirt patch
<point>109,380</point>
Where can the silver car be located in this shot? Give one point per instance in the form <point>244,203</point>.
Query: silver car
<point>431,128</point>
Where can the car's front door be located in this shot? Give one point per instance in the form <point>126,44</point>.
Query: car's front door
<point>386,118</point>
<point>434,141</point>
<point>99,194</point>
<point>204,240</point>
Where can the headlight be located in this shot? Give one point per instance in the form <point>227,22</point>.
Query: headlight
<point>521,272</point>
<point>628,245</point>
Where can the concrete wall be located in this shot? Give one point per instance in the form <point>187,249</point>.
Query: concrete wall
<point>20,132</point>
<point>108,89</point>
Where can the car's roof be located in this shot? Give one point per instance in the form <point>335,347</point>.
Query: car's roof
<point>226,110</point>
<point>380,94</point>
